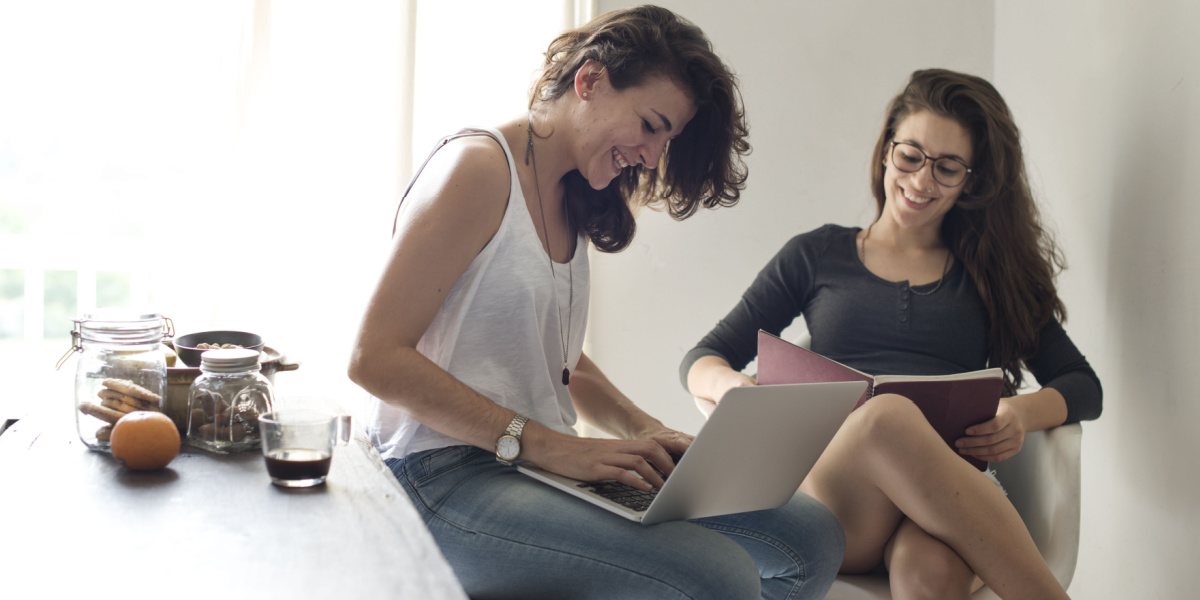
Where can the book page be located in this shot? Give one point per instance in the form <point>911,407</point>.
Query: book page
<point>982,374</point>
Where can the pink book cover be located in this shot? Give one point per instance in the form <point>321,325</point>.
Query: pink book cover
<point>951,403</point>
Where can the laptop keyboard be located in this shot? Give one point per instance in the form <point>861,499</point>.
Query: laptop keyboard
<point>621,493</point>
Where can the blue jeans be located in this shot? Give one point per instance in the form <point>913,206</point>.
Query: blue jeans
<point>509,536</point>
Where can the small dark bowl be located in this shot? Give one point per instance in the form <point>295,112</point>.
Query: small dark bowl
<point>185,345</point>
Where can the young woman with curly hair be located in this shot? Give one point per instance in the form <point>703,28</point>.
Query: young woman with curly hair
<point>471,346</point>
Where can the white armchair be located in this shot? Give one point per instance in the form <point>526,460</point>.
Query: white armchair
<point>1043,484</point>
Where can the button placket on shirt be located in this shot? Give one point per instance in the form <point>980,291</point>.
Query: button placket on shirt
<point>902,308</point>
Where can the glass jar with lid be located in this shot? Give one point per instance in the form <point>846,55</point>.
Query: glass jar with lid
<point>122,368</point>
<point>225,401</point>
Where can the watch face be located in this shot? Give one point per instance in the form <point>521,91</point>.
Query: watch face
<point>508,447</point>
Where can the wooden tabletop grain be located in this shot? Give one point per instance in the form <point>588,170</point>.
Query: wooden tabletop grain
<point>75,523</point>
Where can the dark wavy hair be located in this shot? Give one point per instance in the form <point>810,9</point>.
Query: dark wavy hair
<point>994,228</point>
<point>702,166</point>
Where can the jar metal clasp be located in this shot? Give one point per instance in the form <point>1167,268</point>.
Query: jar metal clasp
<point>76,346</point>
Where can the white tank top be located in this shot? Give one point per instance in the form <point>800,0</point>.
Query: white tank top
<point>498,331</point>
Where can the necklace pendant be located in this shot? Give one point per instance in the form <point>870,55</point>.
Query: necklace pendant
<point>566,376</point>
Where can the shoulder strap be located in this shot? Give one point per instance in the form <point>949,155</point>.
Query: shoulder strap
<point>442,142</point>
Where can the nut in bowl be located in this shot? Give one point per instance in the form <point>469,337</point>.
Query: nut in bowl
<point>189,347</point>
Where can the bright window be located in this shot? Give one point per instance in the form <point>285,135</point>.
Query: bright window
<point>232,164</point>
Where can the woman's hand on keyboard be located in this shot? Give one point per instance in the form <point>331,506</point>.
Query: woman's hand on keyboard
<point>595,459</point>
<point>674,442</point>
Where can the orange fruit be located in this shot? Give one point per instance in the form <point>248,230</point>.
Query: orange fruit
<point>145,440</point>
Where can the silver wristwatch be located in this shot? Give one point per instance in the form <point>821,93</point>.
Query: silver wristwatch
<point>508,447</point>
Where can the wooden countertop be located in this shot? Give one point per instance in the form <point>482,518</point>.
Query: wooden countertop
<point>77,522</point>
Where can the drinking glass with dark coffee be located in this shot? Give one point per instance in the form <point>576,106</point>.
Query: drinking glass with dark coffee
<point>298,445</point>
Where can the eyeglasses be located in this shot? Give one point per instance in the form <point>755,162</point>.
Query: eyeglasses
<point>947,171</point>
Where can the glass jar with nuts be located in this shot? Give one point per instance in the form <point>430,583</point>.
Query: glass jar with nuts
<point>225,401</point>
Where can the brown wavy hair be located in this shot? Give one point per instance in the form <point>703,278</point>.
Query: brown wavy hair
<point>995,228</point>
<point>702,166</point>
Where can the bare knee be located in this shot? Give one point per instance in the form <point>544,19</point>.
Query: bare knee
<point>921,567</point>
<point>887,423</point>
<point>931,576</point>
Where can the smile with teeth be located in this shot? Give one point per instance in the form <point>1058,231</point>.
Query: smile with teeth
<point>917,199</point>
<point>619,159</point>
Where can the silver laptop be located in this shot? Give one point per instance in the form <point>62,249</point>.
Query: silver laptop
<point>751,454</point>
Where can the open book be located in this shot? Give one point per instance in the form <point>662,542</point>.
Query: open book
<point>951,403</point>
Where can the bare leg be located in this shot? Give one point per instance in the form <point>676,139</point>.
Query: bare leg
<point>921,567</point>
<point>887,463</point>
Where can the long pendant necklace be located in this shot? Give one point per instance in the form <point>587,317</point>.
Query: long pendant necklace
<point>565,338</point>
<point>945,267</point>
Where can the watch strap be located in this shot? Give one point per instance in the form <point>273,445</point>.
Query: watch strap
<point>516,426</point>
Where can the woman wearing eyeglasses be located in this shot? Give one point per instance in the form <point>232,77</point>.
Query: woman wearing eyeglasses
<point>955,274</point>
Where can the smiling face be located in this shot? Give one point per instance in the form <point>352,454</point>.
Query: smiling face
<point>622,128</point>
<point>917,200</point>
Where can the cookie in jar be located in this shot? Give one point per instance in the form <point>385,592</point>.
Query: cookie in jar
<point>121,369</point>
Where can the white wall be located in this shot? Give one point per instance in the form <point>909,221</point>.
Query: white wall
<point>1109,102</point>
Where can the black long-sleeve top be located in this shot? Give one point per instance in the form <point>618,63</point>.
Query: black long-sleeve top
<point>884,327</point>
